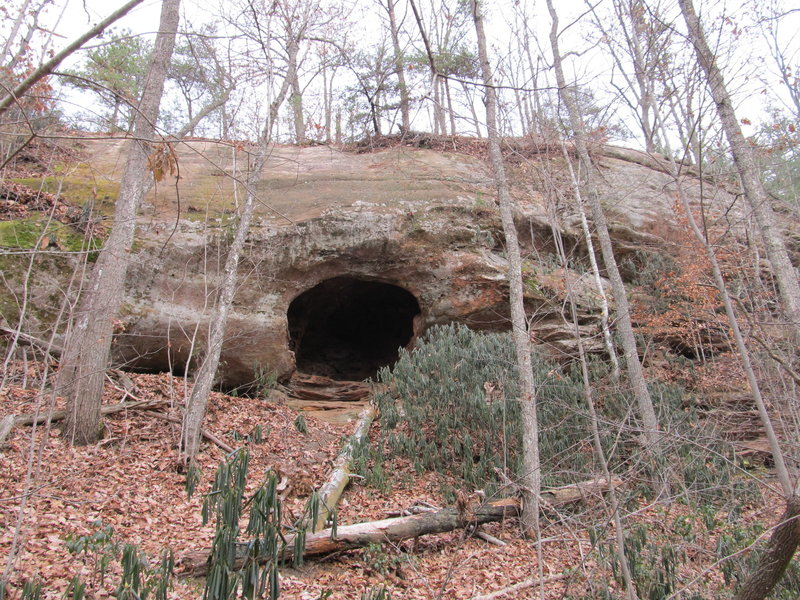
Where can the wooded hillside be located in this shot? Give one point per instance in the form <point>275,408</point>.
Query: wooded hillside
<point>399,299</point>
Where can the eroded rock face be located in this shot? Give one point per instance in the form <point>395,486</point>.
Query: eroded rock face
<point>354,255</point>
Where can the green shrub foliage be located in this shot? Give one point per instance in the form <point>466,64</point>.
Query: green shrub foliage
<point>258,576</point>
<point>451,406</point>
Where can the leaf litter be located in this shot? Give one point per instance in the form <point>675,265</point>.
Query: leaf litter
<point>131,481</point>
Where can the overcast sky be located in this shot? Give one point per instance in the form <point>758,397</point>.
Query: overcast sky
<point>588,62</point>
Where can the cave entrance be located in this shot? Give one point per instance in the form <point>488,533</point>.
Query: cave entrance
<point>347,328</point>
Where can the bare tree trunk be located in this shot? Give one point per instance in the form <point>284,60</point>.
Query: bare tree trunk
<point>783,543</point>
<point>746,165</point>
<point>438,114</point>
<point>471,102</point>
<point>641,72</point>
<point>439,125</point>
<point>644,402</point>
<point>399,66</point>
<point>115,114</point>
<point>522,108</point>
<point>619,530</point>
<point>296,96</point>
<point>204,378</point>
<point>531,476</point>
<point>327,102</point>
<point>450,111</point>
<point>598,281</point>
<point>88,345</point>
<point>275,106</point>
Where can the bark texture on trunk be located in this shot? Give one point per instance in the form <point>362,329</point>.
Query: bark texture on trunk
<point>783,543</point>
<point>296,96</point>
<point>87,350</point>
<point>531,476</point>
<point>204,378</point>
<point>743,156</point>
<point>631,355</point>
<point>399,67</point>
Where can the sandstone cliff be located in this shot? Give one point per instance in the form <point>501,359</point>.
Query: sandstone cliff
<point>354,254</point>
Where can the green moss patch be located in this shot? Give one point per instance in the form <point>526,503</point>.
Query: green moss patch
<point>77,190</point>
<point>26,234</point>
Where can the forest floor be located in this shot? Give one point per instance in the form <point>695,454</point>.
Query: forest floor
<point>51,493</point>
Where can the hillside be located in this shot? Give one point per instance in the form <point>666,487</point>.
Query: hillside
<point>359,258</point>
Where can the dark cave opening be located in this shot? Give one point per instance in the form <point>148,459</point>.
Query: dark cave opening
<point>347,328</point>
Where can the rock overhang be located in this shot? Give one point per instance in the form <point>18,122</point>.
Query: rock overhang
<point>421,220</point>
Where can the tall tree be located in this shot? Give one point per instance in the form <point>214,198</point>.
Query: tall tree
<point>372,70</point>
<point>598,281</point>
<point>644,402</point>
<point>204,377</point>
<point>202,75</point>
<point>531,473</point>
<point>445,49</point>
<point>747,167</point>
<point>786,537</point>
<point>588,395</point>
<point>399,64</point>
<point>88,344</point>
<point>639,41</point>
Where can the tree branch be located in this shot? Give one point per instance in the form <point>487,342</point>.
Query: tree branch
<point>51,64</point>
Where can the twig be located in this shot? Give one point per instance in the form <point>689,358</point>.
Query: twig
<point>522,585</point>
<point>486,537</point>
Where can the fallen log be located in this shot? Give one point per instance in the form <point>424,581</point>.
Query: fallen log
<point>331,491</point>
<point>195,564</point>
<point>348,537</point>
<point>6,424</point>
<point>330,395</point>
<point>321,405</point>
<point>28,340</point>
<point>575,492</point>
<point>316,387</point>
<point>109,409</point>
